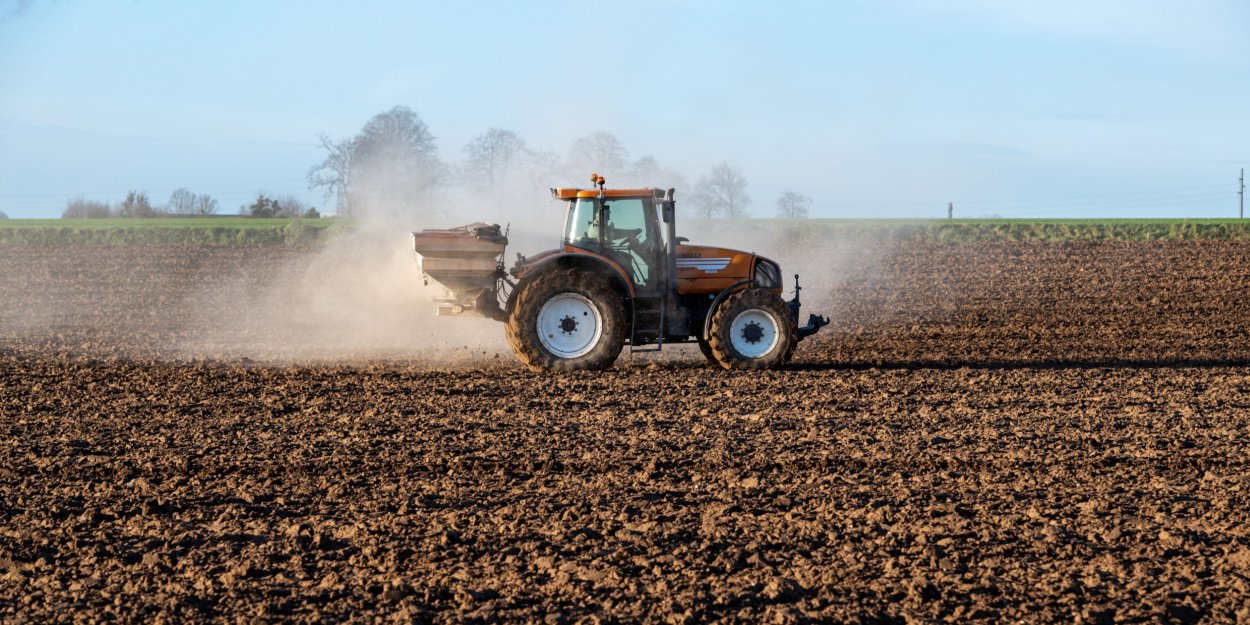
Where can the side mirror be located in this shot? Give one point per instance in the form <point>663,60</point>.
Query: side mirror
<point>668,209</point>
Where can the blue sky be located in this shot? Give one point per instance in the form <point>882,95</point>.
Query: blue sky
<point>1064,108</point>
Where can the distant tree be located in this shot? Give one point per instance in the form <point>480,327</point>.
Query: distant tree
<point>793,205</point>
<point>311,213</point>
<point>722,192</point>
<point>182,202</point>
<point>540,169</point>
<point>204,204</point>
<point>494,170</point>
<point>136,204</point>
<point>3,215</point>
<point>646,169</point>
<point>601,153</point>
<point>390,167</point>
<point>334,174</point>
<point>262,207</point>
<point>85,209</point>
<point>493,155</point>
<point>289,206</point>
<point>647,172</point>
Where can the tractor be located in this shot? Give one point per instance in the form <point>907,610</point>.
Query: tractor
<point>615,280</point>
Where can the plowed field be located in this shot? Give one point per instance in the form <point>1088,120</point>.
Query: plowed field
<point>1044,432</point>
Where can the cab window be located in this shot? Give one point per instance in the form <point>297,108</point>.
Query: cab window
<point>629,236</point>
<point>629,239</point>
<point>582,228</point>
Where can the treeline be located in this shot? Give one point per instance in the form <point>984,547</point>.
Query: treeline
<point>184,203</point>
<point>392,169</point>
<point>181,203</point>
<point>287,206</point>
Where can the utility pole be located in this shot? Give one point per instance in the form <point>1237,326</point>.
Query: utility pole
<point>1241,195</point>
<point>950,210</point>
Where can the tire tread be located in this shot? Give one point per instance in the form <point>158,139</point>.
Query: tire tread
<point>723,316</point>
<point>523,336</point>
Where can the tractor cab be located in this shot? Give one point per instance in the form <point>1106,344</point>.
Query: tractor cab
<point>620,226</point>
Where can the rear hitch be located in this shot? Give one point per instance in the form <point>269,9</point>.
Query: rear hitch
<point>814,322</point>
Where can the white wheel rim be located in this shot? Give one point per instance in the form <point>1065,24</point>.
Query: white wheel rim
<point>569,325</point>
<point>753,333</point>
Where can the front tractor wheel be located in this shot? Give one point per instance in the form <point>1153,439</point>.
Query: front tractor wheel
<point>567,320</point>
<point>752,329</point>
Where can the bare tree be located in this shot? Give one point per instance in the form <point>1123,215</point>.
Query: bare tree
<point>493,155</point>
<point>647,171</point>
<point>722,192</point>
<point>137,204</point>
<point>334,173</point>
<point>182,202</point>
<point>793,205</point>
<point>204,204</point>
<point>289,206</point>
<point>495,170</point>
<point>86,209</point>
<point>601,153</point>
<point>540,169</point>
<point>394,164</point>
<point>644,171</point>
<point>390,168</point>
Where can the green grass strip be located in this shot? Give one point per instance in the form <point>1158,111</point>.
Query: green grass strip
<point>167,231</point>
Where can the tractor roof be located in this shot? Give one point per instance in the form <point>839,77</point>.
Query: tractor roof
<point>568,194</point>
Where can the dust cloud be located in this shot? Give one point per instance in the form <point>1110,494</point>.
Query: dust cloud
<point>825,265</point>
<point>360,294</point>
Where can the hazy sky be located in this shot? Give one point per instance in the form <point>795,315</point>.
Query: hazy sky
<point>1063,108</point>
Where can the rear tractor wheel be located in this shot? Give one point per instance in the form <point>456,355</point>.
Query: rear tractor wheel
<point>752,329</point>
<point>566,320</point>
<point>706,350</point>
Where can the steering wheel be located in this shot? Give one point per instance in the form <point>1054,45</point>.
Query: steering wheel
<point>629,238</point>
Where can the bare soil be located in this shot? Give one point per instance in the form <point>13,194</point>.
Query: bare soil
<point>1041,432</point>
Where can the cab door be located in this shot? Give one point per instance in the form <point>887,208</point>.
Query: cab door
<point>631,238</point>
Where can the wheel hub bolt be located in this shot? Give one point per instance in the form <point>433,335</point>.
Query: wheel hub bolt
<point>753,333</point>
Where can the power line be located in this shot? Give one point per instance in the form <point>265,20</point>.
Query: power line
<point>219,188</point>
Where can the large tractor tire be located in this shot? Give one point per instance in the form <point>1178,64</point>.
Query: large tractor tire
<point>566,320</point>
<point>752,329</point>
<point>706,350</point>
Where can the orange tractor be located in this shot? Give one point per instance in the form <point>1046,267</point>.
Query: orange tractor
<point>616,280</point>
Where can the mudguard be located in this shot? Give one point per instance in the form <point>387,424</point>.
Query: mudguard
<point>720,297</point>
<point>554,258</point>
